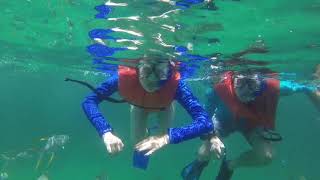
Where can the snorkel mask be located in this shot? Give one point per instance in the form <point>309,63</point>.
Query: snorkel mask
<point>153,73</point>
<point>248,87</point>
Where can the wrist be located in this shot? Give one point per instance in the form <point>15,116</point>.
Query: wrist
<point>208,136</point>
<point>108,133</point>
<point>166,139</point>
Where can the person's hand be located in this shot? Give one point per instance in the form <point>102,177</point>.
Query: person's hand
<point>112,142</point>
<point>152,143</point>
<point>217,146</point>
<point>316,74</point>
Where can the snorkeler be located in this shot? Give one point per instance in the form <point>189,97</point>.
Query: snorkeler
<point>244,103</point>
<point>52,145</point>
<point>149,87</point>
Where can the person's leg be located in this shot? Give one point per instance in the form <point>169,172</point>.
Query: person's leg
<point>138,123</point>
<point>139,118</point>
<point>193,170</point>
<point>165,118</point>
<point>260,154</point>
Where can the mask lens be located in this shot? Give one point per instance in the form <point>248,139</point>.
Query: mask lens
<point>162,71</point>
<point>158,70</point>
<point>145,71</point>
<point>162,74</point>
<point>247,87</point>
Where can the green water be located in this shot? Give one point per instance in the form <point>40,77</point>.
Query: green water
<point>42,42</point>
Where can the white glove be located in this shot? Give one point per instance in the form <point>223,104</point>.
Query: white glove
<point>112,142</point>
<point>152,143</point>
<point>217,147</point>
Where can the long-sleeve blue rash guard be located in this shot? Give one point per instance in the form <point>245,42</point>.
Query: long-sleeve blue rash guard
<point>201,122</point>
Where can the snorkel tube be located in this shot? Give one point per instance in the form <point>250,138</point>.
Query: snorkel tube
<point>101,96</point>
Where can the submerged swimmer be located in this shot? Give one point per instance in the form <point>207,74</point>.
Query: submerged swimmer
<point>150,87</point>
<point>244,103</point>
<point>7,159</point>
<point>53,144</point>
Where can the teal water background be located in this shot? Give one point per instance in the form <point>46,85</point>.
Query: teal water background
<point>42,42</point>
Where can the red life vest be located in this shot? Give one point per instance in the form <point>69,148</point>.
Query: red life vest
<point>259,113</point>
<point>132,91</point>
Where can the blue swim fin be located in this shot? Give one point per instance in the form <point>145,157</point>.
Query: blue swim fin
<point>225,173</point>
<point>140,160</point>
<point>193,170</point>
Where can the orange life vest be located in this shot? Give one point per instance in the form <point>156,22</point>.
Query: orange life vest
<point>259,113</point>
<point>132,91</point>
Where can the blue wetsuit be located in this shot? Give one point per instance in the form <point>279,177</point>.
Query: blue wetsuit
<point>223,118</point>
<point>201,122</point>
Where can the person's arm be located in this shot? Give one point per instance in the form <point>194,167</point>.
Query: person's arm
<point>201,122</point>
<point>290,87</point>
<point>312,91</point>
<point>91,105</point>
